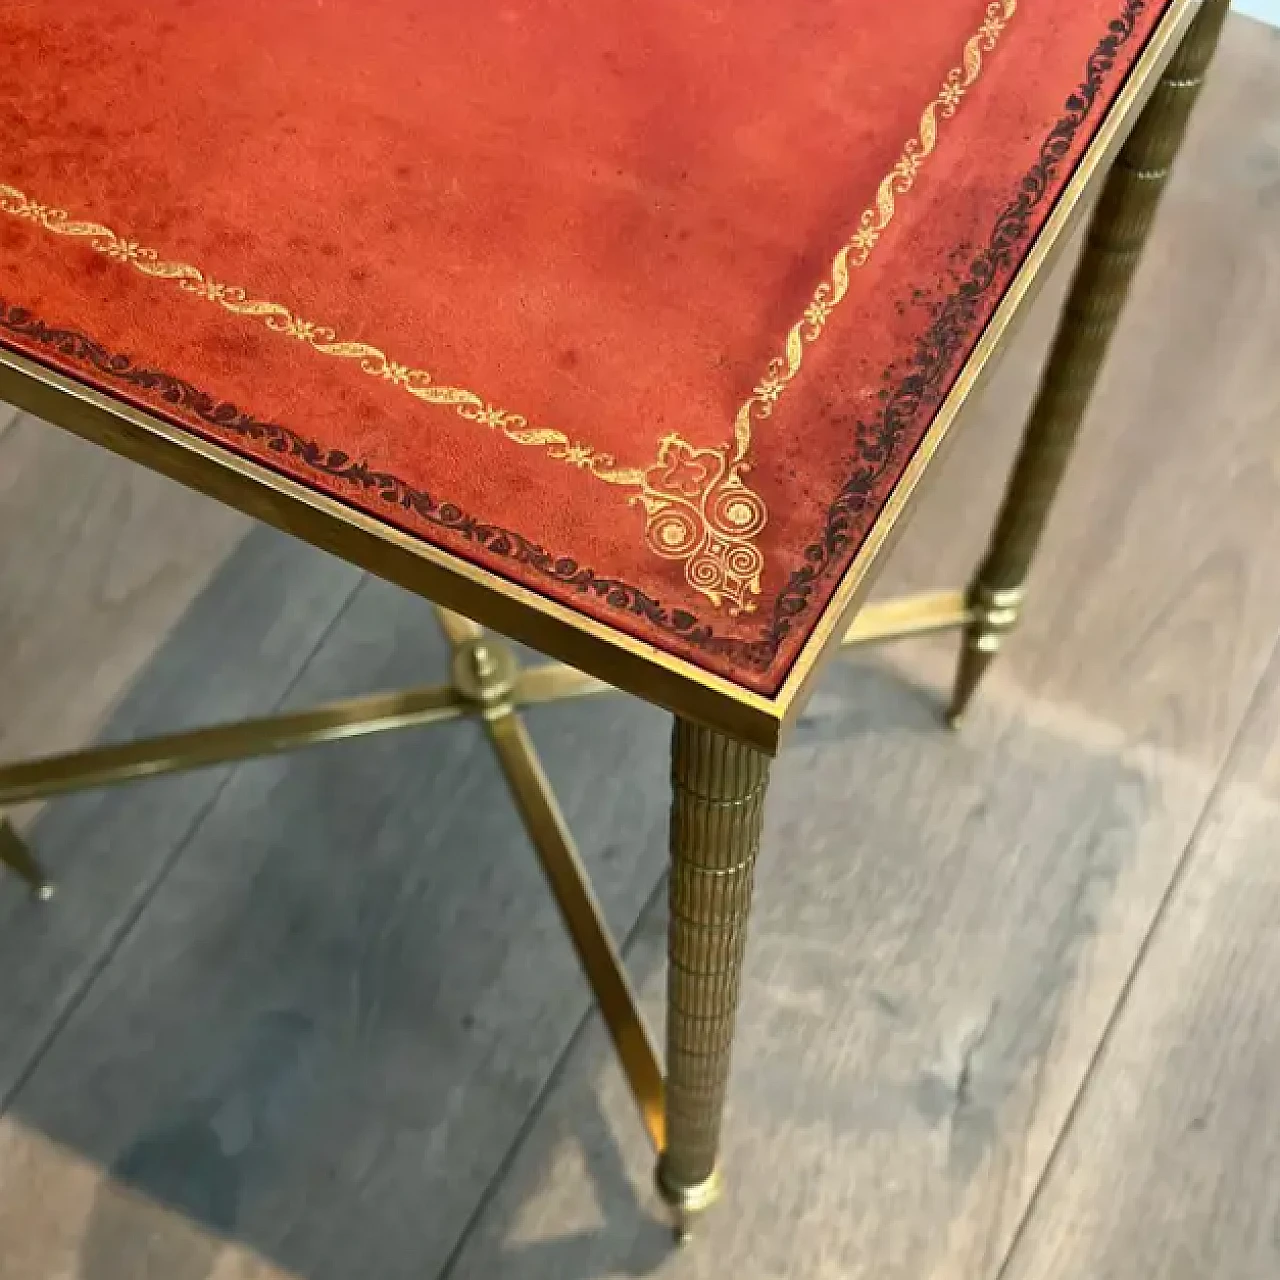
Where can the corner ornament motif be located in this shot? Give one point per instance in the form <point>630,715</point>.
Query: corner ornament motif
<point>699,511</point>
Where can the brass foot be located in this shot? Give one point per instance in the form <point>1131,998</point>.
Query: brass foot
<point>995,614</point>
<point>975,658</point>
<point>15,855</point>
<point>687,1203</point>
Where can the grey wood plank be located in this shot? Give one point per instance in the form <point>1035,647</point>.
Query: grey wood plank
<point>43,1184</point>
<point>99,558</point>
<point>235,653</point>
<point>1172,1167</point>
<point>331,1022</point>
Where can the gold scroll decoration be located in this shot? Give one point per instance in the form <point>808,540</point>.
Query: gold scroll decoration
<point>322,338</point>
<point>699,511</point>
<point>713,526</point>
<point>698,508</point>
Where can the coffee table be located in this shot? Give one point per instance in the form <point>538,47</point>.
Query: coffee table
<point>628,332</point>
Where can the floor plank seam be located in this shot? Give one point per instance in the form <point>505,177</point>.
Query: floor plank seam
<point>1176,880</point>
<point>554,1077</point>
<point>148,894</point>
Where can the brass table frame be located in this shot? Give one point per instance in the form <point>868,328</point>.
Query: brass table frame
<point>723,735</point>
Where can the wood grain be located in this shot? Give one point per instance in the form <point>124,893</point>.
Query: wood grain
<point>44,1186</point>
<point>98,559</point>
<point>235,653</point>
<point>1171,1170</point>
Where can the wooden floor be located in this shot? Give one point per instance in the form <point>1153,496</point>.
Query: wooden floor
<point>1013,1006</point>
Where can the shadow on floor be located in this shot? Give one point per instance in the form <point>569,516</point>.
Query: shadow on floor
<point>314,1004</point>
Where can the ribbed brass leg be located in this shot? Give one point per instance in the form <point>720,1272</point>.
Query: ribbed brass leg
<point>1117,234</point>
<point>15,855</point>
<point>718,789</point>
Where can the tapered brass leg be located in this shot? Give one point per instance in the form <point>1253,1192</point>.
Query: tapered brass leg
<point>718,788</point>
<point>15,855</point>
<point>1117,234</point>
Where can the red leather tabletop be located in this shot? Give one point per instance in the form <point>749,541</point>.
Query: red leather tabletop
<point>644,306</point>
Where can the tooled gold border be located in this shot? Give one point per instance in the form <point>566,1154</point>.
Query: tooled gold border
<point>320,337</point>
<point>871,225</point>
<point>698,508</point>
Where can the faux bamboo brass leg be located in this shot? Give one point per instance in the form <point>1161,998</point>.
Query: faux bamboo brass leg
<point>15,855</point>
<point>718,789</point>
<point>1117,234</point>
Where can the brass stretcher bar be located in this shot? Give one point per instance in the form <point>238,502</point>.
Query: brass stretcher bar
<point>376,713</point>
<point>487,682</point>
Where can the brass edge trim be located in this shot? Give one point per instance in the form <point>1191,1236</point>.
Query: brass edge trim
<point>629,664</point>
<point>1089,173</point>
<point>611,655</point>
